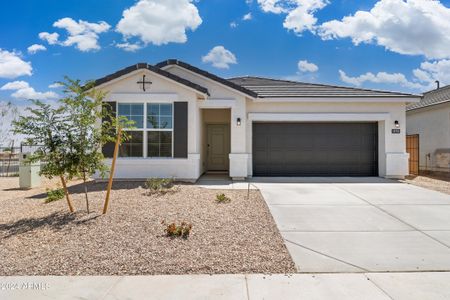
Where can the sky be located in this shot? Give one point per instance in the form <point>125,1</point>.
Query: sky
<point>400,45</point>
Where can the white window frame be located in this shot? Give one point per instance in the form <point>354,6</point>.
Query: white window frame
<point>145,130</point>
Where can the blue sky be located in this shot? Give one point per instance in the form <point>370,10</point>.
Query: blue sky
<point>388,44</point>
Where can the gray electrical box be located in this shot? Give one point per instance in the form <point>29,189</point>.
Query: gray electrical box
<point>28,172</point>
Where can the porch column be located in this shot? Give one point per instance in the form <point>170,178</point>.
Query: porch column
<point>238,156</point>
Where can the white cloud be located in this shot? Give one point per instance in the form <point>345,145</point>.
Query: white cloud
<point>413,27</point>
<point>82,34</point>
<point>302,17</point>
<point>300,13</point>
<point>380,77</point>
<point>430,71</point>
<point>305,66</point>
<point>220,57</point>
<point>247,17</point>
<point>35,48</point>
<point>129,47</point>
<point>233,24</point>
<point>24,91</point>
<point>159,21</point>
<point>55,85</point>
<point>12,66</point>
<point>50,38</point>
<point>422,79</point>
<point>273,6</point>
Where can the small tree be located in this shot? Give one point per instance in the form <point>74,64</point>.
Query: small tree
<point>87,134</point>
<point>46,126</point>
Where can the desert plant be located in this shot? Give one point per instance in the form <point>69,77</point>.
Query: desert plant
<point>173,230</point>
<point>46,126</point>
<point>158,185</point>
<point>221,198</point>
<point>54,195</point>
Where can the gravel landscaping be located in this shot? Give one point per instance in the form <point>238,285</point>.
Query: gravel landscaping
<point>437,182</point>
<point>44,239</point>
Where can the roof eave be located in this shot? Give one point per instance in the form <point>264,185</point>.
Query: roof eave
<point>377,99</point>
<point>144,66</point>
<point>209,76</point>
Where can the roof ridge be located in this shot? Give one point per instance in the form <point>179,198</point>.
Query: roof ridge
<point>206,74</point>
<point>324,85</point>
<point>154,69</point>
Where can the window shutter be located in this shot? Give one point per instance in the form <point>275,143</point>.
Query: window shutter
<point>180,130</point>
<point>108,148</point>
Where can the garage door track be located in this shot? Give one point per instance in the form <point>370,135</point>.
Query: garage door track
<point>360,224</point>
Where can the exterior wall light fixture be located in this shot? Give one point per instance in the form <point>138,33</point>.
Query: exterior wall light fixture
<point>397,124</point>
<point>238,121</point>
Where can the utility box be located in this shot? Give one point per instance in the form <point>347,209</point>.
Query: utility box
<point>28,172</point>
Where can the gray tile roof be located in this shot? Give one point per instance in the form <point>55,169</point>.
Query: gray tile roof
<point>433,97</point>
<point>274,88</point>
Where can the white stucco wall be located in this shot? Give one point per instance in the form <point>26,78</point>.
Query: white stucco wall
<point>392,154</point>
<point>432,124</point>
<point>126,89</point>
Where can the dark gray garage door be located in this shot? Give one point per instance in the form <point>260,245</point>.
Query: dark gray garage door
<point>315,149</point>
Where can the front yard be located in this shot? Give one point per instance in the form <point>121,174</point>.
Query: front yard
<point>44,239</point>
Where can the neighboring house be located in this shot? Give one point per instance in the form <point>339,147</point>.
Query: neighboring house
<point>430,120</point>
<point>190,121</point>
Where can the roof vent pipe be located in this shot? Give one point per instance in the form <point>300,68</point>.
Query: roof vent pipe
<point>437,84</point>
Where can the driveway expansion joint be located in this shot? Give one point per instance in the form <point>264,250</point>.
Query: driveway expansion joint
<point>329,256</point>
<point>395,217</point>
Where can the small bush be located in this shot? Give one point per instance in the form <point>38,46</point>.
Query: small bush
<point>221,198</point>
<point>173,230</point>
<point>54,195</point>
<point>158,185</point>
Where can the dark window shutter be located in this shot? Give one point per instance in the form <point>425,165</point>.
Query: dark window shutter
<point>108,148</point>
<point>180,130</point>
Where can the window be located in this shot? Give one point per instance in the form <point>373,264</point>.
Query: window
<point>134,112</point>
<point>159,126</point>
<point>132,147</point>
<point>159,116</point>
<point>159,144</point>
<point>153,135</point>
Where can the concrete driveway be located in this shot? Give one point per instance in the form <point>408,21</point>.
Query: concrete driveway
<point>360,224</point>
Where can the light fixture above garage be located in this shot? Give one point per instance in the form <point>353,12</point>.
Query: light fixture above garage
<point>238,121</point>
<point>397,124</point>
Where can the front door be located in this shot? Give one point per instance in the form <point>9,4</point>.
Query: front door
<point>218,147</point>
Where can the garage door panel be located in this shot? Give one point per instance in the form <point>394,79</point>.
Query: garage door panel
<point>315,149</point>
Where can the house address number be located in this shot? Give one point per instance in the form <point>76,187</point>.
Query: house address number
<point>396,131</point>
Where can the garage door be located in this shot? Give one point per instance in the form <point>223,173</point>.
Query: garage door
<point>315,149</point>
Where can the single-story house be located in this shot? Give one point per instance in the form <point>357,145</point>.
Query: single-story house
<point>429,122</point>
<point>189,121</point>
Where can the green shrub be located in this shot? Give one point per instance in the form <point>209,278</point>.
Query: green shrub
<point>221,198</point>
<point>158,185</point>
<point>173,230</point>
<point>54,195</point>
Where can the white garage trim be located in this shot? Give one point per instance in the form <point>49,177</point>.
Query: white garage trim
<point>314,117</point>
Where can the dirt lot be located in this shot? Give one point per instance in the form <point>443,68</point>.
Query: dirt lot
<point>437,182</point>
<point>44,239</point>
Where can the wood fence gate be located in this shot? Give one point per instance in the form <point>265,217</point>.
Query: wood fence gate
<point>412,147</point>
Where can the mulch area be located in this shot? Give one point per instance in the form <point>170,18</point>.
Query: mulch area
<point>45,239</point>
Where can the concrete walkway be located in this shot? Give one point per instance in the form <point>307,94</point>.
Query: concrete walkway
<point>383,286</point>
<point>360,224</point>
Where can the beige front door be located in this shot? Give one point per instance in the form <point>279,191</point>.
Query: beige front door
<point>218,147</point>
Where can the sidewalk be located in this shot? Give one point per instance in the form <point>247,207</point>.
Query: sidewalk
<point>423,285</point>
